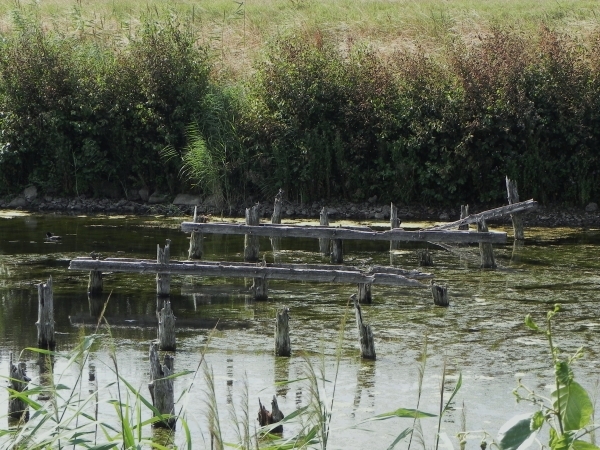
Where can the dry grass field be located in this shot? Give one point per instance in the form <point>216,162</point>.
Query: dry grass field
<point>237,30</point>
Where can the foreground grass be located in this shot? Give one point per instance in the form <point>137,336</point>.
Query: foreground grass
<point>238,30</point>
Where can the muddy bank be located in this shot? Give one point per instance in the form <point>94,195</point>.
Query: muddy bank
<point>545,215</point>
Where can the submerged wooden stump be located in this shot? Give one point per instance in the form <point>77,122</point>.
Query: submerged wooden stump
<point>440,295</point>
<point>324,242</point>
<point>18,380</point>
<point>425,258</point>
<point>251,249</point>
<point>517,220</point>
<point>163,280</point>
<point>95,283</point>
<point>283,346</point>
<point>365,334</point>
<point>166,328</point>
<point>464,213</point>
<point>364,293</point>
<point>161,389</point>
<point>196,247</point>
<point>337,251</point>
<point>394,223</point>
<point>45,322</point>
<point>266,417</point>
<point>485,250</point>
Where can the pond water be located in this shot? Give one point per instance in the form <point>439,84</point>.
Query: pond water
<point>481,335</point>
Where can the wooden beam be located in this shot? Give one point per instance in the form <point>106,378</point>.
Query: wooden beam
<point>244,271</point>
<point>521,207</point>
<point>272,230</point>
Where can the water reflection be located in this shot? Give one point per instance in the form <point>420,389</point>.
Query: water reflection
<point>365,384</point>
<point>281,369</point>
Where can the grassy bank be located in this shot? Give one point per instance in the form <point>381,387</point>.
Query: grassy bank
<point>410,101</point>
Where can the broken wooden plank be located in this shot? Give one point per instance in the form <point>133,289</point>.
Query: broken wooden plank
<point>244,271</point>
<point>271,230</point>
<point>495,213</point>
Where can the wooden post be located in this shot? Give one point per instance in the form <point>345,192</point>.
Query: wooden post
<point>96,305</point>
<point>365,334</point>
<point>485,250</point>
<point>464,213</point>
<point>251,249</point>
<point>394,223</point>
<point>45,322</point>
<point>324,242</point>
<point>163,280</point>
<point>166,328</point>
<point>18,379</point>
<point>425,258</point>
<point>196,248</point>
<point>161,390</point>
<point>283,346</point>
<point>364,293</point>
<point>517,220</point>
<point>276,219</point>
<point>337,251</point>
<point>95,283</point>
<point>440,295</point>
<point>266,417</point>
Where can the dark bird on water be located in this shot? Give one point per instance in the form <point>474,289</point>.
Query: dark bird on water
<point>52,237</point>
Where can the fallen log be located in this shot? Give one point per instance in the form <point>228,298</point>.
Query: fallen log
<point>495,213</point>
<point>245,271</point>
<point>273,230</point>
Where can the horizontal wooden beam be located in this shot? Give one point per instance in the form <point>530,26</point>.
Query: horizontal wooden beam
<point>244,271</point>
<point>495,213</point>
<point>412,273</point>
<point>150,320</point>
<point>318,232</point>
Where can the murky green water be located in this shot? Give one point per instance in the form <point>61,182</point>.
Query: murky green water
<point>481,334</point>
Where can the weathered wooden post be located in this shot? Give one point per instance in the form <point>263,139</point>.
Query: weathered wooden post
<point>259,288</point>
<point>196,248</point>
<point>440,294</point>
<point>464,213</point>
<point>276,219</point>
<point>163,280</point>
<point>45,322</point>
<point>18,379</point>
<point>166,328</point>
<point>324,242</point>
<point>517,220</point>
<point>283,346</point>
<point>485,250</point>
<point>161,389</point>
<point>95,283</point>
<point>266,417</point>
<point>337,251</point>
<point>364,293</point>
<point>394,223</point>
<point>425,258</point>
<point>251,248</point>
<point>365,334</point>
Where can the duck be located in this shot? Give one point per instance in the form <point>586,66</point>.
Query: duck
<point>52,237</point>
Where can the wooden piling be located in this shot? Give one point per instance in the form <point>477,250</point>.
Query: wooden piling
<point>163,280</point>
<point>425,258</point>
<point>196,247</point>
<point>337,251</point>
<point>283,346</point>
<point>259,289</point>
<point>464,213</point>
<point>45,322</point>
<point>485,250</point>
<point>161,389</point>
<point>394,223</point>
<point>517,220</point>
<point>276,219</point>
<point>324,242</point>
<point>365,334</point>
<point>166,328</point>
<point>364,293</point>
<point>251,248</point>
<point>95,283</point>
<point>18,379</point>
<point>440,295</point>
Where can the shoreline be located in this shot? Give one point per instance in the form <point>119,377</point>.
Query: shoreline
<point>544,216</point>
